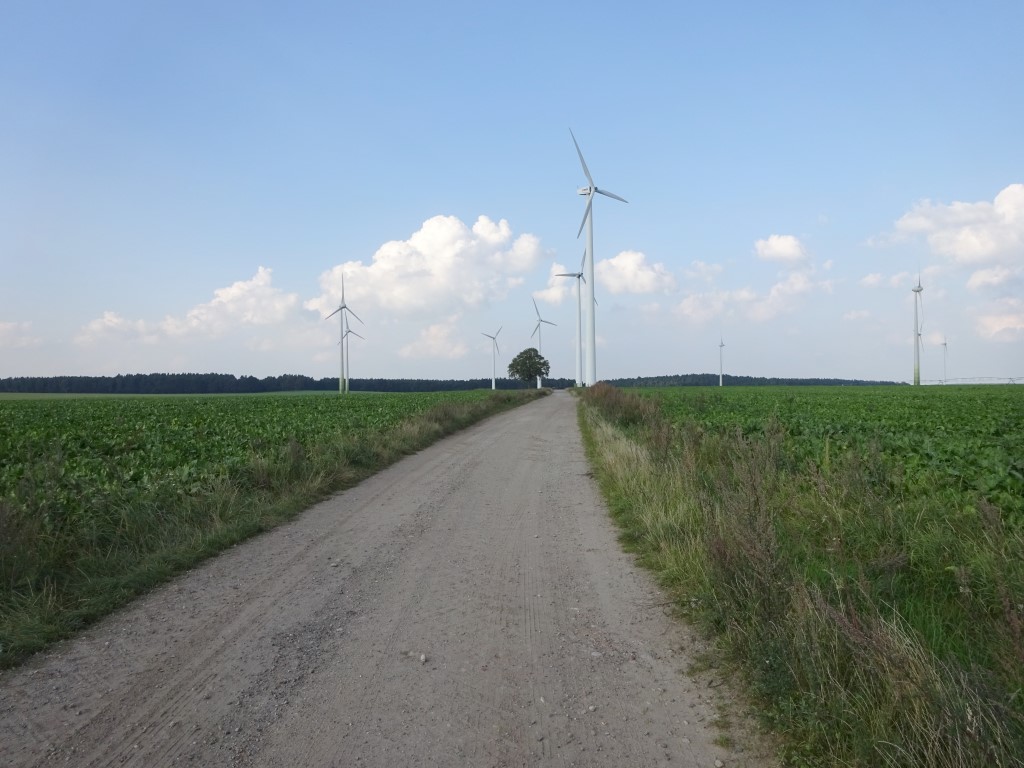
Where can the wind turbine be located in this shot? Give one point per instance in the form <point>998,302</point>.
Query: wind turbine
<point>537,333</point>
<point>579,318</point>
<point>342,309</point>
<point>917,332</point>
<point>494,357</point>
<point>945,349</point>
<point>721,346</point>
<point>588,219</point>
<point>349,332</point>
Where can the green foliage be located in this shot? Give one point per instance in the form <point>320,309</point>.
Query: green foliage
<point>859,552</point>
<point>101,497</point>
<point>528,365</point>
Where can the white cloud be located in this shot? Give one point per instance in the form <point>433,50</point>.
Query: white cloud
<point>901,279</point>
<point>785,249</point>
<point>247,302</point>
<point>443,264</point>
<point>438,341</point>
<point>972,233</point>
<point>1004,322</point>
<point>17,336</point>
<point>700,270</point>
<point>629,272</point>
<point>112,325</point>
<point>993,277</point>
<point>856,314</point>
<point>780,298</point>
<point>870,281</point>
<point>701,307</point>
<point>558,287</point>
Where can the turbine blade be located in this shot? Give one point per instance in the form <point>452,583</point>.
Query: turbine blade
<point>548,322</point>
<point>611,194</point>
<point>498,331</point>
<point>583,162</point>
<point>357,317</point>
<point>496,348</point>
<point>583,261</point>
<point>590,203</point>
<point>535,308</point>
<point>333,313</point>
<point>535,331</point>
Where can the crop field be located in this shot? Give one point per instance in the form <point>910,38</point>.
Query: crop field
<point>63,456</point>
<point>858,551</point>
<point>103,497</point>
<point>962,437</point>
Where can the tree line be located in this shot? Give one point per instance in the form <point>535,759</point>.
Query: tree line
<point>711,380</point>
<point>225,383</point>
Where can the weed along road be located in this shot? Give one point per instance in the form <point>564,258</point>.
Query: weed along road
<point>468,606</point>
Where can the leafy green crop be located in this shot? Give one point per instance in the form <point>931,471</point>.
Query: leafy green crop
<point>963,437</point>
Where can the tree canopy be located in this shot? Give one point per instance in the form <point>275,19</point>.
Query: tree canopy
<point>528,365</point>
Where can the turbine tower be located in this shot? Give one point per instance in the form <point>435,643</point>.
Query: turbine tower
<point>917,332</point>
<point>537,333</point>
<point>579,318</point>
<point>348,367</point>
<point>721,346</point>
<point>588,219</point>
<point>494,357</point>
<point>342,310</point>
<point>945,349</point>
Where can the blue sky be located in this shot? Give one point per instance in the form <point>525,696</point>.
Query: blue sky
<point>183,184</point>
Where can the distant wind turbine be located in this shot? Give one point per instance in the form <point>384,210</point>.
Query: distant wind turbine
<point>588,219</point>
<point>917,332</point>
<point>537,333</point>
<point>342,310</point>
<point>945,349</point>
<point>721,346</point>
<point>494,357</point>
<point>348,367</point>
<point>579,317</point>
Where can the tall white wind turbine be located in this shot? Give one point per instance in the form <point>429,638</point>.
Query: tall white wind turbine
<point>537,333</point>
<point>588,219</point>
<point>494,357</point>
<point>579,317</point>
<point>917,331</point>
<point>341,311</point>
<point>348,367</point>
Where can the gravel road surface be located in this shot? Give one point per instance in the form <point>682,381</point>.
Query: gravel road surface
<point>468,606</point>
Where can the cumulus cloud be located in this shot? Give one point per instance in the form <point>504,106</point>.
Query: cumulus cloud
<point>700,270</point>
<point>629,272</point>
<point>17,336</point>
<point>702,307</point>
<point>989,235</point>
<point>856,314</point>
<point>558,287</point>
<point>780,298</point>
<point>247,302</point>
<point>1004,321</point>
<point>444,263</point>
<point>785,249</point>
<point>870,281</point>
<point>971,233</point>
<point>112,325</point>
<point>438,341</point>
<point>994,277</point>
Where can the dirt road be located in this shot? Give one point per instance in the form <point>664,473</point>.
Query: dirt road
<point>468,606</point>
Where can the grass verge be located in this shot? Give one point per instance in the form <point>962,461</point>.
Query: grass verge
<point>873,627</point>
<point>57,579</point>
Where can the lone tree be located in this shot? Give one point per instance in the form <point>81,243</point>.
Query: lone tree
<point>528,365</point>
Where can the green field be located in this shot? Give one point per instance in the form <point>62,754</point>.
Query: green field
<point>102,497</point>
<point>960,437</point>
<point>857,551</point>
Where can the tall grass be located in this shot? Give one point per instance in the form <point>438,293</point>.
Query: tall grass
<point>875,626</point>
<point>59,572</point>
